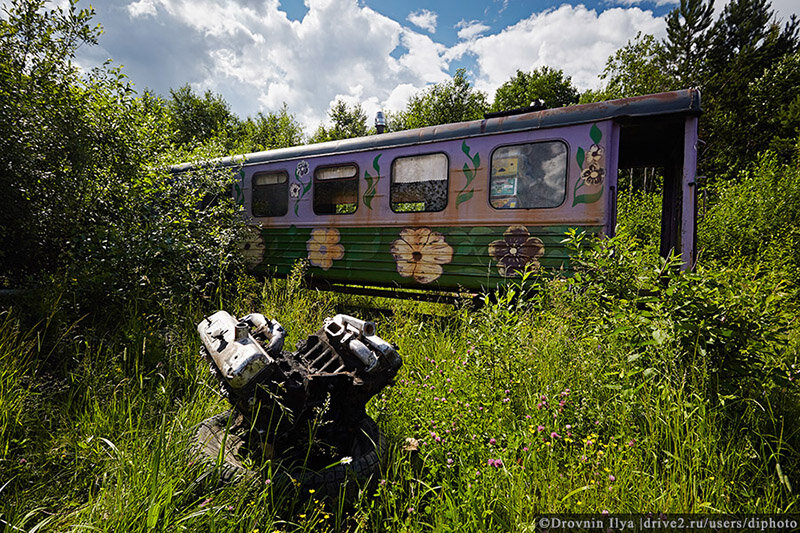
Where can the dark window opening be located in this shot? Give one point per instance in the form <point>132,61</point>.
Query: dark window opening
<point>270,194</point>
<point>336,190</point>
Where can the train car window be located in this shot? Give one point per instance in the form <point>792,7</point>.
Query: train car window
<point>419,183</point>
<point>270,194</point>
<point>336,190</point>
<point>528,176</point>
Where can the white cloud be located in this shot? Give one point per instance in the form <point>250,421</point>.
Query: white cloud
<point>470,30</point>
<point>574,39</point>
<point>257,58</point>
<point>142,8</point>
<point>424,19</point>
<point>658,3</point>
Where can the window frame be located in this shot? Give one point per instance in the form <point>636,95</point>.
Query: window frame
<point>253,187</point>
<point>542,141</point>
<point>314,179</point>
<point>446,182</point>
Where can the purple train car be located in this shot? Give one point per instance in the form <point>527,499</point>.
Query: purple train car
<point>466,205</point>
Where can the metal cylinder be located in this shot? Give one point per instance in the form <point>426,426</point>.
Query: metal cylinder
<point>242,331</point>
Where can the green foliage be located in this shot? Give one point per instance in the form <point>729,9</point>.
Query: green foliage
<point>755,218</point>
<point>545,84</point>
<point>86,195</point>
<point>347,123</point>
<point>745,42</point>
<point>273,130</point>
<point>688,35</point>
<point>630,384</point>
<point>640,67</point>
<point>64,138</point>
<point>196,120</point>
<point>639,218</point>
<point>774,97</point>
<point>450,101</point>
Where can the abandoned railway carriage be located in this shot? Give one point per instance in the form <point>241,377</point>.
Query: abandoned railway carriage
<point>466,205</point>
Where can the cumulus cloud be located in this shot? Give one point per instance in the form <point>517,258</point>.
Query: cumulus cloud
<point>251,53</point>
<point>142,8</point>
<point>424,19</point>
<point>257,58</point>
<point>572,38</point>
<point>658,3</point>
<point>469,30</point>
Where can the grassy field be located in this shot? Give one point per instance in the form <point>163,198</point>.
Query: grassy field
<point>632,388</point>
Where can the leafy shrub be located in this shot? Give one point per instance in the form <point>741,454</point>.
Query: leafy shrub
<point>639,217</point>
<point>82,173</point>
<point>755,218</point>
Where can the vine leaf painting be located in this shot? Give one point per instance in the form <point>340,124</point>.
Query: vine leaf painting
<point>465,195</point>
<point>372,182</point>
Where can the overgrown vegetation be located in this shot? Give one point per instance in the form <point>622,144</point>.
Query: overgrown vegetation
<point>630,387</point>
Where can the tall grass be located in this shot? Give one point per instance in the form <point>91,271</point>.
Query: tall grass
<point>622,391</point>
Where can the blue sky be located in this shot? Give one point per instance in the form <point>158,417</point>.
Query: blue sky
<point>308,53</point>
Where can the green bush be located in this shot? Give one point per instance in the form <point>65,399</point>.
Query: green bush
<point>755,219</point>
<point>89,208</point>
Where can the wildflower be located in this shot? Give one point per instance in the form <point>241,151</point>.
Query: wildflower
<point>449,461</point>
<point>492,440</point>
<point>205,502</point>
<point>554,435</point>
<point>311,491</point>
<point>23,461</point>
<point>267,482</point>
<point>611,478</point>
<point>346,460</point>
<point>410,510</point>
<point>540,429</point>
<point>605,511</point>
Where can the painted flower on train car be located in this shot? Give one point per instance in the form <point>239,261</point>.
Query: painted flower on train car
<point>252,247</point>
<point>516,250</point>
<point>302,168</point>
<point>324,248</point>
<point>294,190</point>
<point>593,174</point>
<point>421,253</point>
<point>595,155</point>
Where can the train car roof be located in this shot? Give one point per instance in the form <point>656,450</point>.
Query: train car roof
<point>683,102</point>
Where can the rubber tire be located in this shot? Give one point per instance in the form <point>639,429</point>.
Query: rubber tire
<point>226,431</point>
